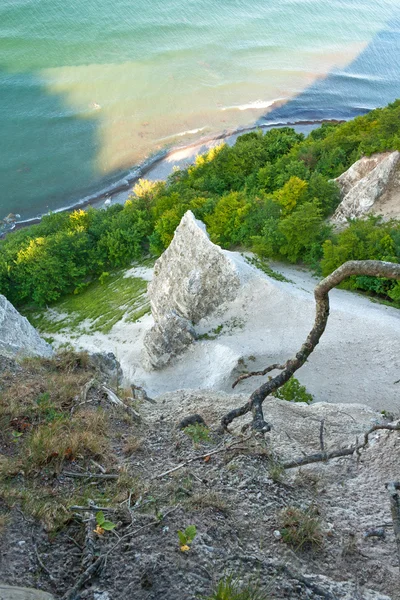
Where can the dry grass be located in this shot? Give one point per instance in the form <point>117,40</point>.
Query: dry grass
<point>212,500</point>
<point>39,437</point>
<point>301,528</point>
<point>55,443</point>
<point>132,445</point>
<point>4,519</point>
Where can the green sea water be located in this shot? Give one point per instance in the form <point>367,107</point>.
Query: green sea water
<point>89,89</point>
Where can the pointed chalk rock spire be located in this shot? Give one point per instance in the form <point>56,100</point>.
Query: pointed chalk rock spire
<point>191,279</point>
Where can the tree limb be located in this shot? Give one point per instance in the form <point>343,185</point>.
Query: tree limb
<point>374,268</point>
<point>325,456</point>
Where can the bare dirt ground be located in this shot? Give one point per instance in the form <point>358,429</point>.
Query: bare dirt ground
<point>234,495</point>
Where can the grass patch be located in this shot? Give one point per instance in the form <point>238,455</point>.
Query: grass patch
<point>211,499</point>
<point>230,588</point>
<point>301,528</point>
<point>97,308</point>
<point>263,266</point>
<point>41,438</point>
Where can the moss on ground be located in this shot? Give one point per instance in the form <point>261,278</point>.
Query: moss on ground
<point>97,308</point>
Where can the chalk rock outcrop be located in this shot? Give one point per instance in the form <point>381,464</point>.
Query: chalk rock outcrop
<point>17,336</point>
<point>365,183</point>
<point>191,279</point>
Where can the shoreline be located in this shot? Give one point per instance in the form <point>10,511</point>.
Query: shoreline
<point>156,160</point>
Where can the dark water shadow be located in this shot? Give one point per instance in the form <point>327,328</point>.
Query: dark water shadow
<point>372,79</point>
<point>35,123</point>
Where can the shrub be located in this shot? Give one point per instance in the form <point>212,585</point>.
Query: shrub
<point>293,391</point>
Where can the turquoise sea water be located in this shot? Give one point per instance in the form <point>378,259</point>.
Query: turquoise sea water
<point>89,89</point>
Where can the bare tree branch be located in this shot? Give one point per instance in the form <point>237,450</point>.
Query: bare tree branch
<point>373,268</point>
<point>325,456</point>
<point>258,373</point>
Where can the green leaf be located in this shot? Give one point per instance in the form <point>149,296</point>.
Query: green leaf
<point>108,525</point>
<point>190,533</point>
<point>100,518</point>
<point>182,538</point>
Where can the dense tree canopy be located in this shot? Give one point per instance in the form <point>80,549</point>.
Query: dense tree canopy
<point>271,192</point>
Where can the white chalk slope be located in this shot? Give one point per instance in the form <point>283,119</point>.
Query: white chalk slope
<point>357,360</point>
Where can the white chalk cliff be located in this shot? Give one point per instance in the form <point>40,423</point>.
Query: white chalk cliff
<point>370,185</point>
<point>17,336</point>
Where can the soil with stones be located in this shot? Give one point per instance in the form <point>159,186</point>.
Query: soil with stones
<point>234,497</point>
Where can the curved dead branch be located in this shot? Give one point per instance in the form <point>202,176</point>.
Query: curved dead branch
<point>373,268</point>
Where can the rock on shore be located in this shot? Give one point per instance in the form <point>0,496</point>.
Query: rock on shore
<point>17,336</point>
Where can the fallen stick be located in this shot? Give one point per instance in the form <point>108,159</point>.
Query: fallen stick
<point>393,487</point>
<point>42,565</point>
<point>113,398</point>
<point>83,395</point>
<point>89,548</point>
<point>90,475</point>
<point>325,456</point>
<point>232,446</point>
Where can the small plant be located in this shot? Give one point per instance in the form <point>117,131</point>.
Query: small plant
<point>276,469</point>
<point>293,391</point>
<point>102,524</point>
<point>232,589</point>
<point>46,409</point>
<point>301,528</point>
<point>198,433</point>
<point>186,537</point>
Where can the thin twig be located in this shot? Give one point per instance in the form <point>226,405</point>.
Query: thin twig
<point>98,465</point>
<point>258,373</point>
<point>92,507</point>
<point>90,475</point>
<point>218,450</point>
<point>41,564</point>
<point>73,540</point>
<point>321,435</point>
<point>94,567</point>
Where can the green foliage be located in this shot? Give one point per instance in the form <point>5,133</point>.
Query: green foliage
<point>103,523</point>
<point>230,588</point>
<point>365,239</point>
<point>293,391</point>
<point>198,433</point>
<point>291,194</point>
<point>270,192</point>
<point>186,537</point>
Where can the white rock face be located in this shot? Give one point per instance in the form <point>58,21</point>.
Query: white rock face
<point>363,185</point>
<point>191,279</point>
<point>17,336</point>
